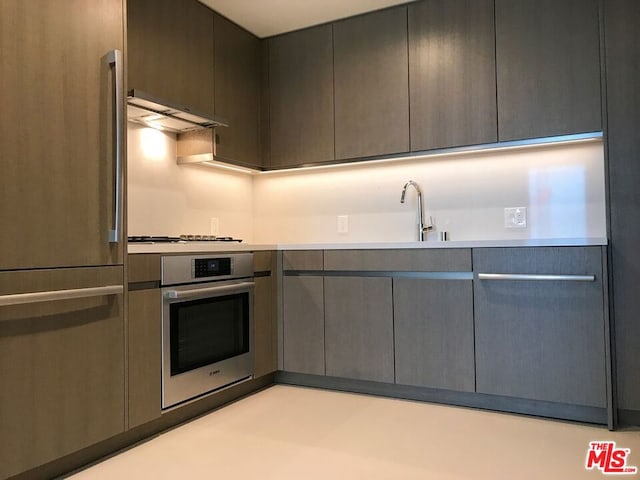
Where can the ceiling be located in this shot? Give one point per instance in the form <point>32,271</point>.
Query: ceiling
<point>265,18</point>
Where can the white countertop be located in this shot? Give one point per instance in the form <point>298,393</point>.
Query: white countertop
<point>194,247</point>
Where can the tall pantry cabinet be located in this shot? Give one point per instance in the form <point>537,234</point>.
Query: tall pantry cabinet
<point>61,253</point>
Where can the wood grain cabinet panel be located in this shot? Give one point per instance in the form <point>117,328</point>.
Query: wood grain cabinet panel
<point>264,317</point>
<point>145,356</point>
<point>237,92</point>
<point>622,50</point>
<point>371,84</point>
<point>548,68</point>
<point>61,367</point>
<point>433,333</point>
<point>416,260</point>
<point>301,97</point>
<point>303,325</point>
<point>359,328</point>
<point>452,74</point>
<point>170,50</point>
<point>541,340</point>
<point>56,139</point>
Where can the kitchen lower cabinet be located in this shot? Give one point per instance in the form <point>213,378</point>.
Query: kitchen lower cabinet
<point>540,337</point>
<point>303,324</point>
<point>433,333</point>
<point>264,314</point>
<point>61,366</point>
<point>57,141</point>
<point>548,68</point>
<point>145,355</point>
<point>359,328</point>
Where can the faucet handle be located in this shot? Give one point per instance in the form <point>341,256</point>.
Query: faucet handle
<point>429,226</point>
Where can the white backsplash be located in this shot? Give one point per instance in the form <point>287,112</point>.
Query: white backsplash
<point>562,187</point>
<point>170,199</point>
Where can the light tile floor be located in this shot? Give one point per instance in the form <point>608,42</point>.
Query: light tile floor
<point>301,433</point>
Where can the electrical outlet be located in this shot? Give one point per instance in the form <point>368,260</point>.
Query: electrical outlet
<point>343,223</point>
<point>515,217</point>
<point>215,226</point>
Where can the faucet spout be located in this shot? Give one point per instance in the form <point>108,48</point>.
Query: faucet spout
<point>422,229</point>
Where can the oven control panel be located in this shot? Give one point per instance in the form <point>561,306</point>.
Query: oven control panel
<point>187,269</point>
<point>211,267</point>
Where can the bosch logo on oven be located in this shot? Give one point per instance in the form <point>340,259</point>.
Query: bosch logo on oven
<point>213,372</point>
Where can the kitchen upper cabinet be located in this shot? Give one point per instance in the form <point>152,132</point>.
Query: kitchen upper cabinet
<point>300,81</point>
<point>170,50</point>
<point>548,68</point>
<point>452,78</point>
<point>359,328</point>
<point>371,84</point>
<point>622,51</point>
<point>57,141</point>
<point>433,333</point>
<point>237,92</point>
<point>539,338</point>
<point>61,367</point>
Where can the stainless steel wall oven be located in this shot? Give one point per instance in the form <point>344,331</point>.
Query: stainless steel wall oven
<point>207,324</point>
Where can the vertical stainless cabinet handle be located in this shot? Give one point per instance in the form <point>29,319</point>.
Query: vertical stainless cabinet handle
<point>114,59</point>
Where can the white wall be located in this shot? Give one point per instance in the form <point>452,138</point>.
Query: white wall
<point>170,199</point>
<point>562,187</point>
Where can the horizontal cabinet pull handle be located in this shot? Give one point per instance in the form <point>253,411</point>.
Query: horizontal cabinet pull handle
<point>55,295</point>
<point>536,277</point>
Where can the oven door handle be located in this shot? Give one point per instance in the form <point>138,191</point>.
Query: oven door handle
<point>207,291</point>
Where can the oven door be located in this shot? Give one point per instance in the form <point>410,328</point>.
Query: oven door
<point>206,338</point>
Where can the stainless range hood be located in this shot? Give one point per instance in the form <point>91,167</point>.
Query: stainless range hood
<point>147,110</point>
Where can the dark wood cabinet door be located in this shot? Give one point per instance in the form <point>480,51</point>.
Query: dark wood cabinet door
<point>61,367</point>
<point>359,328</point>
<point>170,50</point>
<point>145,356</point>
<point>452,78</point>
<point>303,325</point>
<point>433,333</point>
<point>548,68</point>
<point>56,140</point>
<point>237,92</point>
<point>622,50</point>
<point>541,340</point>
<point>301,97</point>
<point>371,84</point>
<point>265,314</point>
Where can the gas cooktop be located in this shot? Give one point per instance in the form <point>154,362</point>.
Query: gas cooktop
<point>180,239</point>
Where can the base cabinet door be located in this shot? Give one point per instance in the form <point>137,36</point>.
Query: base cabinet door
<point>359,328</point>
<point>264,334</point>
<point>61,367</point>
<point>145,356</point>
<point>541,339</point>
<point>433,325</point>
<point>303,325</point>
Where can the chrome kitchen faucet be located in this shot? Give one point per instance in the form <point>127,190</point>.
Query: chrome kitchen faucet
<point>422,228</point>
